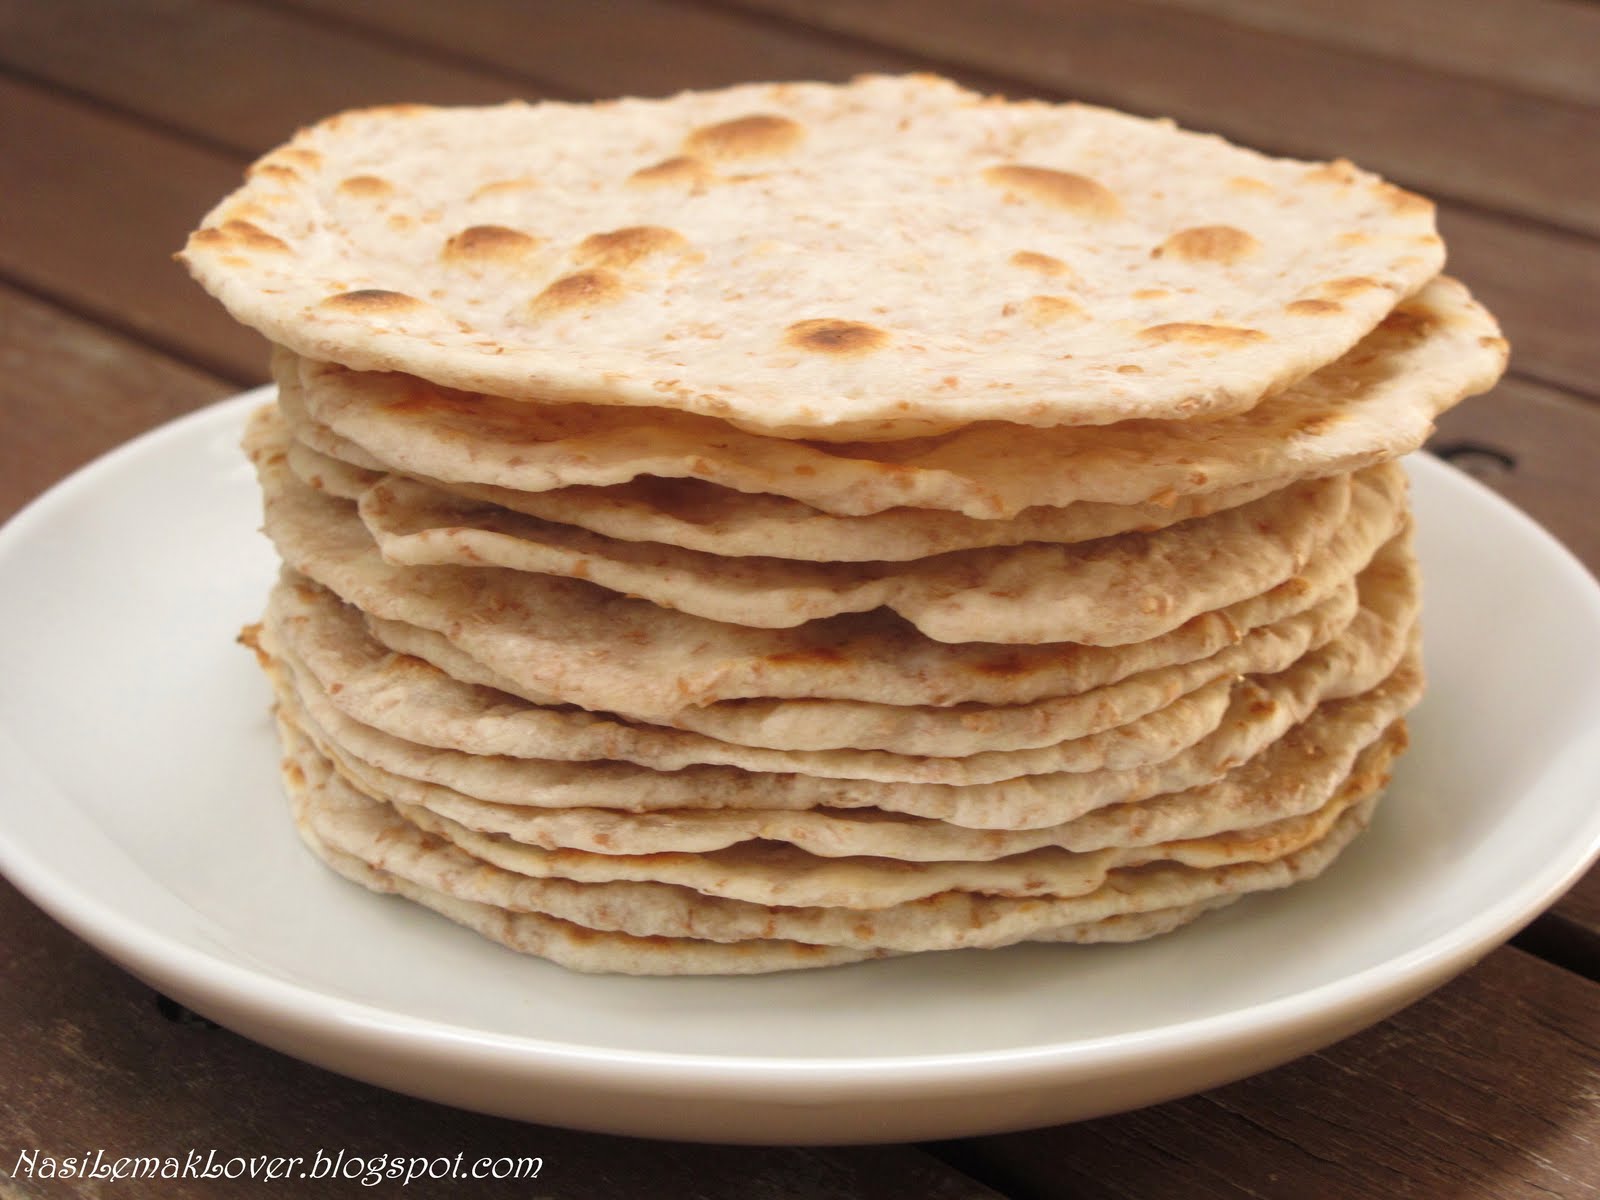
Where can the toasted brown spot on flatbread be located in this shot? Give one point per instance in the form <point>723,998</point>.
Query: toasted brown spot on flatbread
<point>1249,183</point>
<point>250,638</point>
<point>1059,189</point>
<point>1313,308</point>
<point>807,656</point>
<point>1398,200</point>
<point>1318,424</point>
<point>1413,322</point>
<point>488,243</point>
<point>252,237</point>
<point>622,248</point>
<point>755,136</point>
<point>1339,171</point>
<point>367,187</point>
<point>404,108</point>
<point>372,300</point>
<point>1349,285</point>
<point>581,289</point>
<point>274,170</point>
<point>1045,264</point>
<point>682,170</point>
<point>1208,244</point>
<point>1047,310</point>
<point>247,210</point>
<point>1195,334</point>
<point>504,187</point>
<point>828,335</point>
<point>1005,666</point>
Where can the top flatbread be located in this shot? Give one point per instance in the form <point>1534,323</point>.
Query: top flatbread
<point>887,258</point>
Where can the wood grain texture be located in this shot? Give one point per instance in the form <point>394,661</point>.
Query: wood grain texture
<point>238,76</point>
<point>70,390</point>
<point>622,47</point>
<point>89,1061</point>
<point>93,209</point>
<point>1582,907</point>
<point>1485,1089</point>
<point>1443,134</point>
<point>1548,47</point>
<point>1541,285</point>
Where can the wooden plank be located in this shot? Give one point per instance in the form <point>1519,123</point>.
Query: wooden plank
<point>623,47</point>
<point>70,390</point>
<point>1582,905</point>
<point>94,209</point>
<point>1541,284</point>
<point>239,76</point>
<point>1443,134</point>
<point>1548,47</point>
<point>89,1062</point>
<point>1485,1089</point>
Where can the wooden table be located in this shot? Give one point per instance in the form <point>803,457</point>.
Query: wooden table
<point>121,121</point>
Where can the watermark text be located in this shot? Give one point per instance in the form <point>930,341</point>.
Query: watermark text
<point>369,1170</point>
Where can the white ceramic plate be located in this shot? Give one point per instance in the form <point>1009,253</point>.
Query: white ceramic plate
<point>139,805</point>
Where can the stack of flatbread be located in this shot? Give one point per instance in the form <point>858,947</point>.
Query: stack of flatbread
<point>796,524</point>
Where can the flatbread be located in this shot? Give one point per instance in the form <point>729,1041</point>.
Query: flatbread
<point>821,522</point>
<point>770,873</point>
<point>703,516</point>
<point>1114,591</point>
<point>1295,775</point>
<point>604,652</point>
<point>1254,711</point>
<point>808,258</point>
<point>576,947</point>
<point>946,921</point>
<point>1377,402</point>
<point>1153,738</point>
<point>1258,717</point>
<point>332,641</point>
<point>325,473</point>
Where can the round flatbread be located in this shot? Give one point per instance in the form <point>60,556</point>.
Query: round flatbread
<point>606,652</point>
<point>1376,402</point>
<point>815,260</point>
